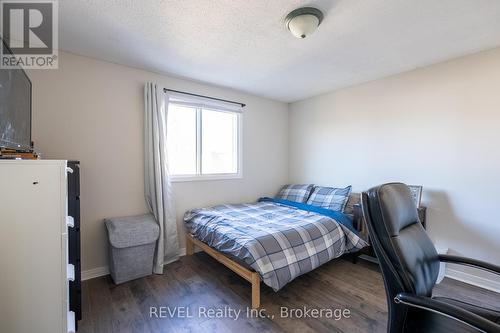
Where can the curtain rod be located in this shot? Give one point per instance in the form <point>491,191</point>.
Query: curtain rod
<point>196,95</point>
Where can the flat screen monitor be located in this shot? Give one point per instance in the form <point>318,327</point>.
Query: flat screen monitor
<point>15,107</point>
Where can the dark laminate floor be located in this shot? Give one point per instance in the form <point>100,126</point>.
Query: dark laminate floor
<point>199,282</point>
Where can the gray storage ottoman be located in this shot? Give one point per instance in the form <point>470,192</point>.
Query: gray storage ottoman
<point>132,242</point>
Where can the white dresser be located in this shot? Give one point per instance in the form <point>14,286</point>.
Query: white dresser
<point>34,268</point>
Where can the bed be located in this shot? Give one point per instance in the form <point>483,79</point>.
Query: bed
<point>272,240</point>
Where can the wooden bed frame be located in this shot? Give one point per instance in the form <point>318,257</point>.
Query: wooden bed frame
<point>251,276</point>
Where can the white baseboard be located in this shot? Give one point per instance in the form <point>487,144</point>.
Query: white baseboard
<point>369,258</point>
<point>95,272</point>
<point>473,279</point>
<point>104,270</point>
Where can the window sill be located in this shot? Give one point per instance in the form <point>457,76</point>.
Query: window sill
<point>180,179</point>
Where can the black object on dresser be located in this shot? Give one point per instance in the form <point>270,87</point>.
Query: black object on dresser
<point>75,287</point>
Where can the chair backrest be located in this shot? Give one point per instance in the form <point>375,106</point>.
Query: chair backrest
<point>407,257</point>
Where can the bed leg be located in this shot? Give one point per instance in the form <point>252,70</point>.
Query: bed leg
<point>189,245</point>
<point>354,258</point>
<point>255,290</point>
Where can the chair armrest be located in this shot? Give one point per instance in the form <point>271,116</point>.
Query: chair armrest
<point>448,310</point>
<point>470,262</point>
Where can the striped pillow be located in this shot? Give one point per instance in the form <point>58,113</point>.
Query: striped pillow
<point>295,192</point>
<point>330,197</point>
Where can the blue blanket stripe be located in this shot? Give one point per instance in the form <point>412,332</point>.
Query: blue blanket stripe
<point>337,216</point>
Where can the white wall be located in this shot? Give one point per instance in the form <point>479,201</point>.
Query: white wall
<point>438,127</point>
<point>92,111</point>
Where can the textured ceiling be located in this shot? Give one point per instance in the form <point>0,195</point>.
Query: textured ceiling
<point>243,44</point>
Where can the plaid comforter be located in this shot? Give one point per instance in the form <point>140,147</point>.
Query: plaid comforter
<point>278,241</point>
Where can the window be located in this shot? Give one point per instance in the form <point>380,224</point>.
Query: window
<point>203,139</point>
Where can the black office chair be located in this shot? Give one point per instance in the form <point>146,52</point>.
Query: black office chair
<point>410,266</point>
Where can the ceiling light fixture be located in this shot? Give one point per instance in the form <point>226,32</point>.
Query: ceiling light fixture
<point>303,21</point>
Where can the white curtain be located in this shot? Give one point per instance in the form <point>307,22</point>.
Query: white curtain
<point>158,190</point>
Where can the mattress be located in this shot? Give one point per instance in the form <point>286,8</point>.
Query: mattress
<point>279,239</point>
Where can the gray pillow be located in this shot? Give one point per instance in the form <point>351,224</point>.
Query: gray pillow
<point>295,192</point>
<point>330,197</point>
